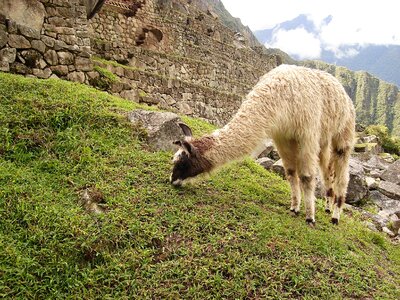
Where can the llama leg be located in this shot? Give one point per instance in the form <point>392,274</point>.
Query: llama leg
<point>341,162</point>
<point>287,151</point>
<point>307,167</point>
<point>342,147</point>
<point>326,167</point>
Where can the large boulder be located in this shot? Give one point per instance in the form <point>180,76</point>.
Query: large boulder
<point>357,189</point>
<point>265,162</point>
<point>392,173</point>
<point>162,128</point>
<point>278,168</point>
<point>390,189</point>
<point>385,204</point>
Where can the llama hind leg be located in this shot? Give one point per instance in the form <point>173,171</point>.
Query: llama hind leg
<point>342,147</point>
<point>326,166</point>
<point>287,151</point>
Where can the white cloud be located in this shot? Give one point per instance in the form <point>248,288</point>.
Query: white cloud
<point>297,42</point>
<point>354,22</point>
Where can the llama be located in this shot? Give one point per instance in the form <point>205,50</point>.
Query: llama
<point>311,120</point>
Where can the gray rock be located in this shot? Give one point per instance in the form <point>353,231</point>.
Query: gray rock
<point>38,45</point>
<point>357,188</point>
<point>372,183</point>
<point>83,64</point>
<point>131,95</point>
<point>390,189</point>
<point>51,57</point>
<point>60,70</point>
<point>162,128</point>
<point>42,73</point>
<point>278,168</point>
<point>29,32</point>
<point>76,77</point>
<point>392,173</point>
<point>267,149</point>
<point>4,66</point>
<point>65,58</point>
<point>384,203</point>
<point>370,139</point>
<point>265,162</point>
<point>3,38</point>
<point>396,226</point>
<point>18,41</point>
<point>19,68</point>
<point>8,55</point>
<point>375,163</point>
<point>388,231</point>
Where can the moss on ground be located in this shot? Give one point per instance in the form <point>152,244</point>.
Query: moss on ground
<point>227,236</point>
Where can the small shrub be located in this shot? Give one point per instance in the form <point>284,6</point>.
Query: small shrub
<point>389,144</point>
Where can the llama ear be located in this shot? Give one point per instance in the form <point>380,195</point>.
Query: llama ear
<point>186,129</point>
<point>187,147</point>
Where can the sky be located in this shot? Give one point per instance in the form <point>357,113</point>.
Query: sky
<point>354,22</point>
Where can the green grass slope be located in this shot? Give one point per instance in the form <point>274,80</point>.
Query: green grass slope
<point>229,236</point>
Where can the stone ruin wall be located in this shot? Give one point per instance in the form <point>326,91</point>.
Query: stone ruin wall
<point>46,38</point>
<point>176,57</point>
<point>182,58</point>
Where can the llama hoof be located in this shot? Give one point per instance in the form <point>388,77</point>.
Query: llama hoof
<point>335,221</point>
<point>327,210</point>
<point>294,213</point>
<point>310,222</point>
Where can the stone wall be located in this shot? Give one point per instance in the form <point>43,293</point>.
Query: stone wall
<point>46,38</point>
<point>171,53</point>
<point>180,57</point>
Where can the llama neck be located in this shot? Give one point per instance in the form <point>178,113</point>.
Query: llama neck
<point>241,136</point>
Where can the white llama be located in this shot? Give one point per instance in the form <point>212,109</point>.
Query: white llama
<point>311,120</point>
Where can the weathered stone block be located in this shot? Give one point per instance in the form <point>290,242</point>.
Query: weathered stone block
<point>65,58</point>
<point>3,37</point>
<point>42,73</point>
<point>20,68</point>
<point>392,173</point>
<point>131,95</point>
<point>60,70</point>
<point>76,76</point>
<point>68,39</point>
<point>29,32</point>
<point>48,41</point>
<point>83,64</point>
<point>51,57</point>
<point>4,66</point>
<point>390,189</point>
<point>38,45</point>
<point>18,41</point>
<point>8,55</point>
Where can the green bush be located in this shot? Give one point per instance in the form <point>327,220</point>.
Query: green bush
<point>389,143</point>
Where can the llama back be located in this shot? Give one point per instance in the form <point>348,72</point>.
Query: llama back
<point>291,99</point>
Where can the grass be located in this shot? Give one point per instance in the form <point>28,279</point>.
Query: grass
<point>229,236</point>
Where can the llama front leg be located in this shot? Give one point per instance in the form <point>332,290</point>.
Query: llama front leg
<point>288,149</point>
<point>308,160</point>
<point>293,178</point>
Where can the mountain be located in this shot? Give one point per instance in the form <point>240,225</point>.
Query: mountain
<point>381,60</point>
<point>376,101</point>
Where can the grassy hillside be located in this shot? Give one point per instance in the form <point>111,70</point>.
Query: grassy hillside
<point>229,236</point>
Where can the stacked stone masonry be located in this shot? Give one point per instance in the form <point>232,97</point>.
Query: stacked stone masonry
<point>173,54</point>
<point>181,44</point>
<point>46,38</point>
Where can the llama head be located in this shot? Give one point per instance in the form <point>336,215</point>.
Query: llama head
<point>188,160</point>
